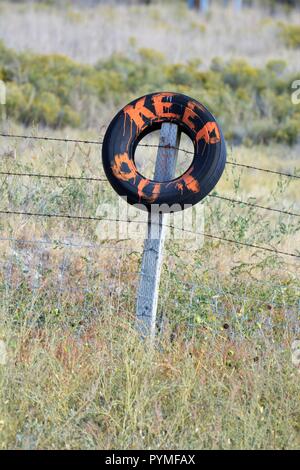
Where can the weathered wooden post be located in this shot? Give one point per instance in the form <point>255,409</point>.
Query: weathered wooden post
<point>147,297</point>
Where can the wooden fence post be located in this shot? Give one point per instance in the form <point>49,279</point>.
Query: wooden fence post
<point>147,297</point>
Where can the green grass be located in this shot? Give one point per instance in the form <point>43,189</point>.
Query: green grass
<point>74,380</point>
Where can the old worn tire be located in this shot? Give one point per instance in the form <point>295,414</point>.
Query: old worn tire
<point>145,115</point>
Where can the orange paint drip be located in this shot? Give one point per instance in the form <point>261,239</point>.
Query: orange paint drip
<point>193,105</point>
<point>207,131</point>
<point>137,112</point>
<point>162,108</point>
<point>122,160</point>
<point>155,193</point>
<point>190,182</point>
<point>141,186</point>
<point>189,114</point>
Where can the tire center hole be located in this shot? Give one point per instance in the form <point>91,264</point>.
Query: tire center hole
<point>145,157</point>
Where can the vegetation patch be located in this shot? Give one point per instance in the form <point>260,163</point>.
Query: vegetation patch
<point>290,34</point>
<point>252,104</point>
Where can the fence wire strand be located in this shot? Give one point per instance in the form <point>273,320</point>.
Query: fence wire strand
<point>43,175</point>
<point>215,292</point>
<point>96,142</point>
<point>99,219</point>
<point>98,179</point>
<point>104,180</point>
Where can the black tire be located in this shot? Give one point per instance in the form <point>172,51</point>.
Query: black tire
<point>145,115</point>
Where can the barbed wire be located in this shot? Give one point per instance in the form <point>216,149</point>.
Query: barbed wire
<point>266,170</point>
<point>104,283</point>
<point>257,206</point>
<point>43,175</point>
<point>100,219</point>
<point>96,142</point>
<point>67,244</point>
<point>53,139</point>
<point>116,247</point>
<point>213,292</point>
<point>216,294</point>
<point>60,272</point>
<point>104,180</point>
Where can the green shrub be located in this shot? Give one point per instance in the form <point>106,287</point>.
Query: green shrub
<point>290,34</point>
<point>277,66</point>
<point>253,104</point>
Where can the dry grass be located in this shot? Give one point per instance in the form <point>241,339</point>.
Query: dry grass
<point>76,374</point>
<point>88,35</point>
<point>102,388</point>
<point>98,199</point>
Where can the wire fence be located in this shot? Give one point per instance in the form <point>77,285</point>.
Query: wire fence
<point>210,294</point>
<point>96,142</point>
<point>108,246</point>
<point>107,219</point>
<point>103,180</point>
